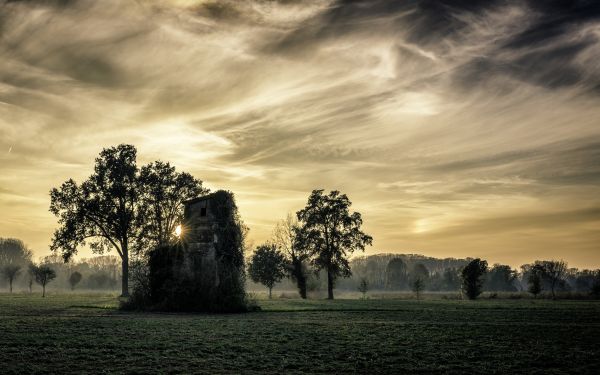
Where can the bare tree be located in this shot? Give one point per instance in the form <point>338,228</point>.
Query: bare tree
<point>554,271</point>
<point>286,238</point>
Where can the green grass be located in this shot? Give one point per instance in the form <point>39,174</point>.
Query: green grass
<point>87,334</point>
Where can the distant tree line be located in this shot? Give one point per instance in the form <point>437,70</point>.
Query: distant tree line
<point>19,272</point>
<point>470,277</point>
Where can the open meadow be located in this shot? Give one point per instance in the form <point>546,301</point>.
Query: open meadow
<point>71,333</point>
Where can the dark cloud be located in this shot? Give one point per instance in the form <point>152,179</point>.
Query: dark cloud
<point>429,114</point>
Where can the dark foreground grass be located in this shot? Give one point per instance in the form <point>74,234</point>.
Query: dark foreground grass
<point>86,334</point>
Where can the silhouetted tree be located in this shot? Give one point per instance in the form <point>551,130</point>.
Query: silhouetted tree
<point>535,280</point>
<point>451,279</point>
<point>472,278</point>
<point>104,209</point>
<point>288,238</point>
<point>396,274</point>
<point>121,207</point>
<point>267,266</point>
<point>10,272</point>
<point>595,289</point>
<point>161,201</point>
<point>14,251</point>
<point>332,233</point>
<point>43,275</point>
<point>74,279</point>
<point>554,271</point>
<point>363,287</point>
<point>501,278</point>
<point>417,286</point>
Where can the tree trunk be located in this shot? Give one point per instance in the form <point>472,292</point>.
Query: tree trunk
<point>10,283</point>
<point>270,289</point>
<point>329,284</point>
<point>43,290</point>
<point>125,274</point>
<point>302,286</point>
<point>300,278</point>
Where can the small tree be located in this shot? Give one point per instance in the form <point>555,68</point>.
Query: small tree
<point>417,287</point>
<point>363,287</point>
<point>535,280</point>
<point>595,289</point>
<point>472,278</point>
<point>267,266</point>
<point>74,279</point>
<point>30,276</point>
<point>10,272</point>
<point>43,275</point>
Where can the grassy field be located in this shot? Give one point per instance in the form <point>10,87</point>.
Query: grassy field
<point>87,334</point>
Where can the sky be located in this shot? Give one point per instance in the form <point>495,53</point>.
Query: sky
<point>457,128</point>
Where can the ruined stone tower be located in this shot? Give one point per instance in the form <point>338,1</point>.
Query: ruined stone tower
<point>204,271</point>
<point>199,234</point>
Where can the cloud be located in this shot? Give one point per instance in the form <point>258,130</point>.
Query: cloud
<point>439,111</point>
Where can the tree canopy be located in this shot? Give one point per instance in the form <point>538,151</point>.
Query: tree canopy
<point>267,266</point>
<point>472,278</point>
<point>120,207</point>
<point>331,233</point>
<point>14,252</point>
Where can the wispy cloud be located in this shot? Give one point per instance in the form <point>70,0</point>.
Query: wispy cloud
<point>428,114</point>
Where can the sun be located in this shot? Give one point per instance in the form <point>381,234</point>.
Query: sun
<point>178,231</point>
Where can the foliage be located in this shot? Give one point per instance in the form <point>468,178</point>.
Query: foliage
<point>535,281</point>
<point>419,271</point>
<point>501,278</point>
<point>43,274</point>
<point>267,266</point>
<point>595,289</point>
<point>161,201</point>
<point>177,278</point>
<point>104,208</point>
<point>74,279</point>
<point>120,207</point>
<point>396,274</point>
<point>553,271</point>
<point>472,278</point>
<point>14,252</point>
<point>331,233</point>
